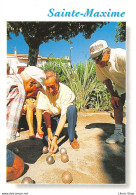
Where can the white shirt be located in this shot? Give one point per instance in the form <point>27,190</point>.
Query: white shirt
<point>115,71</point>
<point>57,104</point>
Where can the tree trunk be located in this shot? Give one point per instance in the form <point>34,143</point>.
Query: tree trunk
<point>33,54</point>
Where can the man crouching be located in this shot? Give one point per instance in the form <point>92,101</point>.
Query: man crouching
<point>56,102</point>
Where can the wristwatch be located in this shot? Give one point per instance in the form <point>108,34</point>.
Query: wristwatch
<point>56,136</point>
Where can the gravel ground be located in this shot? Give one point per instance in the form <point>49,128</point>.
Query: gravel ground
<point>94,163</point>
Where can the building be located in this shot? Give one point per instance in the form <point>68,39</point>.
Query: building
<point>16,63</point>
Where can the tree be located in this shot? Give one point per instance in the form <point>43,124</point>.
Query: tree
<point>36,33</point>
<point>121,32</point>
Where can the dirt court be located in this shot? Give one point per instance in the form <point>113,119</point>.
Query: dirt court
<point>94,163</point>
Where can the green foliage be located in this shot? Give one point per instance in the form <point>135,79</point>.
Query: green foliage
<point>36,33</point>
<point>11,29</point>
<point>100,98</point>
<point>44,31</point>
<point>88,91</point>
<point>82,81</point>
<point>121,32</point>
<point>56,65</point>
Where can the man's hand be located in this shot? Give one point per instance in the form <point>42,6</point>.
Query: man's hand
<point>54,146</point>
<point>115,101</point>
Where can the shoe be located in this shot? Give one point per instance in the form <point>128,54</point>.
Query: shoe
<point>17,134</point>
<point>116,137</point>
<point>40,134</point>
<point>74,144</point>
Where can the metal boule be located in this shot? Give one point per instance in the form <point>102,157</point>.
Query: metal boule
<point>63,151</point>
<point>50,160</point>
<point>27,180</point>
<point>45,150</point>
<point>64,158</point>
<point>67,177</point>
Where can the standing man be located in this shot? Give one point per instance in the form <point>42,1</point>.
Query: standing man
<point>111,67</point>
<point>56,102</point>
<point>20,87</point>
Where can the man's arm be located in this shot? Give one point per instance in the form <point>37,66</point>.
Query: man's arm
<point>47,119</point>
<point>109,86</point>
<point>114,99</point>
<point>60,126</point>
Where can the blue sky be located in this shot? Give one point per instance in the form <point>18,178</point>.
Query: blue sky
<point>80,51</point>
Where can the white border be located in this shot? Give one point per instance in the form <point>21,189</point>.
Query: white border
<point>37,11</point>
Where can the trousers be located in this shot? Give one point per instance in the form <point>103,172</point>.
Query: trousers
<point>71,119</point>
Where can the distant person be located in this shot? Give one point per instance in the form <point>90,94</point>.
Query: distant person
<point>8,69</point>
<point>15,166</point>
<point>56,102</point>
<point>19,88</point>
<point>111,67</point>
<point>13,69</point>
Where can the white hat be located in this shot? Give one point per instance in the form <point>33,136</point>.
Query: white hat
<point>97,47</point>
<point>36,73</point>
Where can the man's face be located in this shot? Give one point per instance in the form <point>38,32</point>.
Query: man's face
<point>101,63</point>
<point>102,60</point>
<point>51,86</point>
<point>32,87</point>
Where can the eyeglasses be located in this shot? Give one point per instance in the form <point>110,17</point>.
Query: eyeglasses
<point>98,58</point>
<point>36,84</point>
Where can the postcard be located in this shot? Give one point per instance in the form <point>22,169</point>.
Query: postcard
<point>67,77</point>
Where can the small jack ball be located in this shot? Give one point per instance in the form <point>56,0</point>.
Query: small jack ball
<point>64,158</point>
<point>45,150</point>
<point>67,177</point>
<point>27,180</point>
<point>63,151</point>
<point>50,160</point>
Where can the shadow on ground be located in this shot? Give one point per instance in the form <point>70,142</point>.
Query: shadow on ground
<point>113,155</point>
<point>29,150</point>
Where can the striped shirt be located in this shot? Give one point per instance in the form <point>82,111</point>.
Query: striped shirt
<point>15,101</point>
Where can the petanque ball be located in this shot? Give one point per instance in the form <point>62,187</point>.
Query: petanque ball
<point>27,180</point>
<point>50,160</point>
<point>64,158</point>
<point>45,150</point>
<point>67,177</point>
<point>63,151</point>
